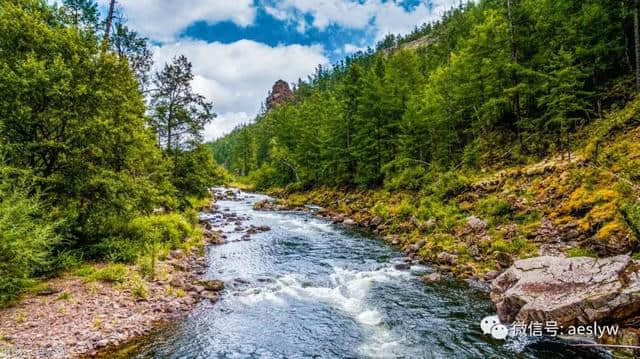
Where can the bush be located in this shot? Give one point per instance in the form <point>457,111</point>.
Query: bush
<point>112,273</point>
<point>26,240</point>
<point>196,172</point>
<point>266,177</point>
<point>381,209</point>
<point>405,209</point>
<point>495,210</point>
<point>163,230</point>
<point>409,178</point>
<point>171,228</point>
<point>448,185</point>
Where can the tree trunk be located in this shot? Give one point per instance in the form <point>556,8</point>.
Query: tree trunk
<point>107,29</point>
<point>636,35</point>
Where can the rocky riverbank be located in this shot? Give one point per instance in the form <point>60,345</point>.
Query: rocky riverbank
<point>563,281</point>
<point>76,315</point>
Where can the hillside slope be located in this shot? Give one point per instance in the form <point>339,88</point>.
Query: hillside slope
<point>585,204</point>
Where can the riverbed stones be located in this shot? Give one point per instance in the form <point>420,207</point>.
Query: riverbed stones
<point>476,224</point>
<point>447,258</point>
<point>375,221</point>
<point>503,260</point>
<point>568,290</point>
<point>433,277</point>
<point>214,285</point>
<point>417,246</point>
<point>176,254</point>
<point>349,222</point>
<point>402,266</point>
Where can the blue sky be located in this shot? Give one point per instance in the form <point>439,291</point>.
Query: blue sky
<point>239,48</point>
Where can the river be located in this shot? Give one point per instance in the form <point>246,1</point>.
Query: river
<point>309,288</point>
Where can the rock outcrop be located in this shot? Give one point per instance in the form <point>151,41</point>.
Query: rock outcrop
<point>280,93</point>
<point>569,291</point>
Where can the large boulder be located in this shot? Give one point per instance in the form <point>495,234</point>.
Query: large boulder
<point>570,291</point>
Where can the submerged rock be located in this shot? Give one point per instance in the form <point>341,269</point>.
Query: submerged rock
<point>213,285</point>
<point>568,290</point>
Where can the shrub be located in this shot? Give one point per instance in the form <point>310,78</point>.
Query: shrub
<point>196,171</point>
<point>171,228</point>
<point>495,210</point>
<point>160,231</point>
<point>405,209</point>
<point>266,177</point>
<point>112,273</point>
<point>26,240</point>
<point>381,209</point>
<point>448,184</point>
<point>409,178</point>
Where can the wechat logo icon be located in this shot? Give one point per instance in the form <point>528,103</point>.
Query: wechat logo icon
<point>491,325</point>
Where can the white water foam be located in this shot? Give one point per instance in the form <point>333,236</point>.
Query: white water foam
<point>348,294</point>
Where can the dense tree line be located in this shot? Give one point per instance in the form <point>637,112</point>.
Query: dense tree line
<point>82,154</point>
<point>498,81</point>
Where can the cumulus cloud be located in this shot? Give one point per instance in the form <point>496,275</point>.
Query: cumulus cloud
<point>382,16</point>
<point>163,20</point>
<point>237,76</point>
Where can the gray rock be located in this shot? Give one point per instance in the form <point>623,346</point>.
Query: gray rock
<point>376,221</point>
<point>177,282</point>
<point>448,258</point>
<point>177,254</point>
<point>433,277</point>
<point>213,285</point>
<point>569,291</point>
<point>503,260</point>
<point>476,224</point>
<point>492,275</point>
<point>417,246</point>
<point>401,266</point>
<point>349,222</point>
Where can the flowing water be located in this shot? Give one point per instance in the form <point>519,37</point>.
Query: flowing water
<point>308,288</point>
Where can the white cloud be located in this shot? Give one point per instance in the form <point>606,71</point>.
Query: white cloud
<point>237,76</point>
<point>163,20</point>
<point>351,48</point>
<point>226,122</point>
<point>383,17</point>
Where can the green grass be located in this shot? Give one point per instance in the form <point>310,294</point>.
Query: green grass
<point>581,252</point>
<point>112,273</point>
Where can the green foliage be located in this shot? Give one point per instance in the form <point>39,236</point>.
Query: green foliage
<point>195,172</point>
<point>495,210</point>
<point>112,273</point>
<point>26,241</point>
<point>581,252</point>
<point>266,177</point>
<point>74,130</point>
<point>447,185</point>
<point>411,119</point>
<point>631,215</point>
<point>405,209</point>
<point>381,209</point>
<point>72,122</point>
<point>168,228</point>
